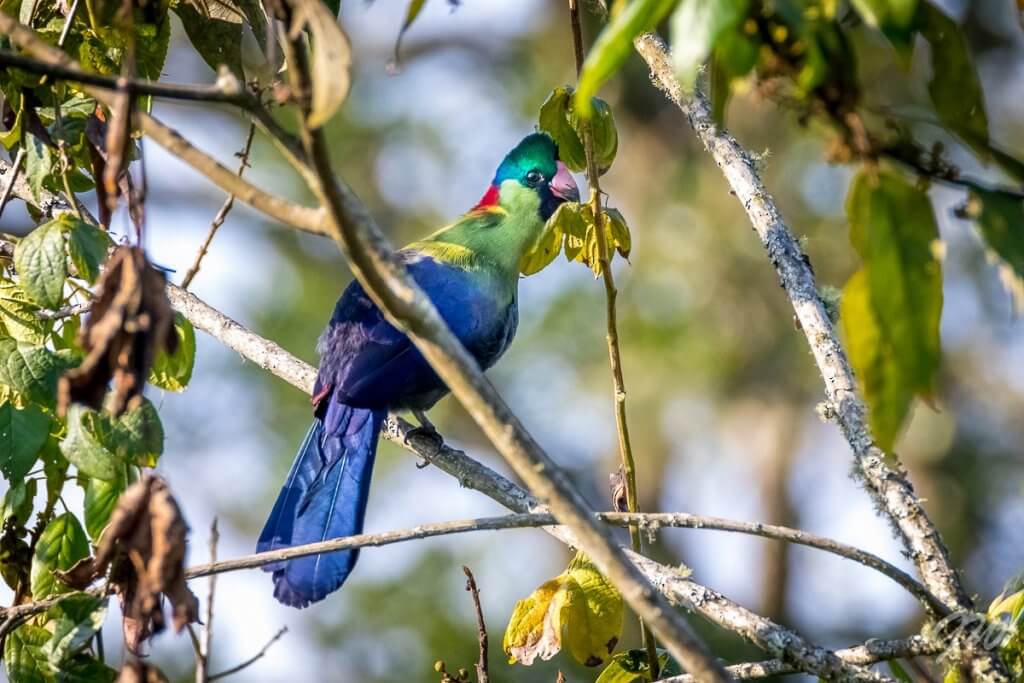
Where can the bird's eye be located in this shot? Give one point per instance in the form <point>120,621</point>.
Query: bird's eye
<point>533,178</point>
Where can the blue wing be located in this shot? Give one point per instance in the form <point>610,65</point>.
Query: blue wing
<point>368,363</point>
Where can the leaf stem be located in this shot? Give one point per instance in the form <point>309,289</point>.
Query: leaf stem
<point>612,335</point>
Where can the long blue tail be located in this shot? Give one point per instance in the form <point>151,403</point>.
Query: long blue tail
<point>324,497</point>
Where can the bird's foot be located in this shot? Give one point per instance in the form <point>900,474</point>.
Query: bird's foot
<point>425,430</point>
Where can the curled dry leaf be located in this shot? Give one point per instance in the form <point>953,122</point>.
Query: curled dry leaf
<point>138,671</point>
<point>144,547</point>
<point>131,320</point>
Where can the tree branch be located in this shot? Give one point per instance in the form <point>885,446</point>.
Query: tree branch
<point>481,628</point>
<point>890,489</point>
<point>869,653</point>
<point>252,660</point>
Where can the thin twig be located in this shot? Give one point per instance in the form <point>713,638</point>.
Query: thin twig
<point>648,640</point>
<point>174,91</point>
<point>203,654</point>
<point>403,303</point>
<point>891,489</point>
<point>648,520</point>
<point>19,160</point>
<point>64,312</point>
<point>256,657</point>
<point>481,627</point>
<point>222,215</point>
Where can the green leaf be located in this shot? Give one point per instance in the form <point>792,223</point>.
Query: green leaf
<point>87,247</point>
<point>173,371</point>
<point>18,501</point>
<point>631,667</point>
<point>214,27</point>
<point>24,660</point>
<point>544,251</point>
<point>559,117</point>
<point>85,445</point>
<point>61,545</point>
<point>1000,218</point>
<point>41,264</point>
<point>76,620</point>
<point>29,373</point>
<point>579,605</point>
<point>99,446</point>
<point>18,315</point>
<point>891,308</point>
<point>893,228</point>
<point>100,500</point>
<point>412,11</point>
<point>955,87</point>
<point>22,433</point>
<point>554,120</point>
<point>84,668</point>
<point>139,435</point>
<point>696,27</point>
<point>38,164</point>
<point>614,45</point>
<point>331,59</point>
<point>619,237</point>
<point>152,41</point>
<point>875,361</point>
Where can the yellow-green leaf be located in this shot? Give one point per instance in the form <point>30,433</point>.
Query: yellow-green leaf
<point>874,360</point>
<point>24,660</point>
<point>696,27</point>
<point>544,251</point>
<point>173,371</point>
<point>579,606</point>
<point>893,228</point>
<point>615,44</point>
<point>560,118</point>
<point>18,315</point>
<point>619,237</point>
<point>412,11</point>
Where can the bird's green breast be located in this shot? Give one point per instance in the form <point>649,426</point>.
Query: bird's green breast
<point>490,242</point>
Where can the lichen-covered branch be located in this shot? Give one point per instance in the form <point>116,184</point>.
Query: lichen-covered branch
<point>869,653</point>
<point>890,488</point>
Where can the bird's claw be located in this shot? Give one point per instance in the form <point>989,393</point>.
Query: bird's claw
<point>428,431</point>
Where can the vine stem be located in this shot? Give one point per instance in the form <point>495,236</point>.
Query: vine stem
<point>612,334</point>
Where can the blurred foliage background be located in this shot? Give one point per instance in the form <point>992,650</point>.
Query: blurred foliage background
<point>722,389</point>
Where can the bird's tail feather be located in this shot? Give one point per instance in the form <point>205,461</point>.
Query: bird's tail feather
<point>324,497</point>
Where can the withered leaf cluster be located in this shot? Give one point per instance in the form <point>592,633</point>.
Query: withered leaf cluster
<point>130,321</point>
<point>144,548</point>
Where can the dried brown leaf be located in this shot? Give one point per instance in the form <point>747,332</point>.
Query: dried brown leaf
<point>144,546</point>
<point>131,320</point>
<point>137,671</point>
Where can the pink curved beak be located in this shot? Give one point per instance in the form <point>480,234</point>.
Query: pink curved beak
<point>563,185</point>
